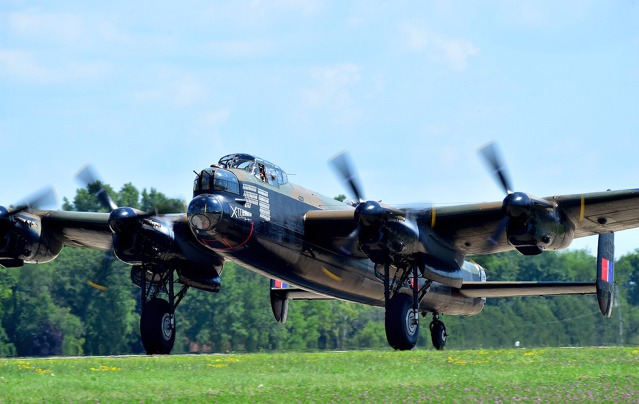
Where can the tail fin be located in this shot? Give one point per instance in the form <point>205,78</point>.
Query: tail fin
<point>605,272</point>
<point>282,293</point>
<point>279,300</point>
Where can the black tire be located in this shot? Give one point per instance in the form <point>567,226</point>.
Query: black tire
<point>157,327</point>
<point>438,334</point>
<point>401,332</point>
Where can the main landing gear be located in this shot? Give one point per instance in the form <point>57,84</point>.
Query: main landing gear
<point>402,310</point>
<point>157,323</point>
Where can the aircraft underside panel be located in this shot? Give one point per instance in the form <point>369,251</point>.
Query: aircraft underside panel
<point>321,274</point>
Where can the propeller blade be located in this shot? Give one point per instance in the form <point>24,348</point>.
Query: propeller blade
<point>495,163</point>
<point>105,199</point>
<point>348,245</point>
<point>87,176</point>
<point>501,227</point>
<point>43,198</point>
<point>342,164</point>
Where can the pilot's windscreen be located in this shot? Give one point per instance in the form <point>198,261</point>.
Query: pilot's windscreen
<point>242,164</point>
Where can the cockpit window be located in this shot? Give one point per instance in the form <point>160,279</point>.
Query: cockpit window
<point>216,180</point>
<point>226,181</point>
<point>266,171</point>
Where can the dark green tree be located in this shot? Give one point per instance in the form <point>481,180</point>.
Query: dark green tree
<point>154,201</point>
<point>129,196</point>
<point>85,199</point>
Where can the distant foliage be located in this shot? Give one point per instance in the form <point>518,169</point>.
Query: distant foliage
<point>56,308</point>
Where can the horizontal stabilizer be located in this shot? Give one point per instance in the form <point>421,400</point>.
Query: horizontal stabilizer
<point>605,272</point>
<point>517,289</point>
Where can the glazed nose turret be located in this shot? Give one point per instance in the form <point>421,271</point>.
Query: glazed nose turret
<point>204,212</point>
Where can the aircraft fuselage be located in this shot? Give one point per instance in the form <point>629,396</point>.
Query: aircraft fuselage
<point>260,225</point>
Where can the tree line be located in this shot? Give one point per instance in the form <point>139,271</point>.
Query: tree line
<point>83,303</point>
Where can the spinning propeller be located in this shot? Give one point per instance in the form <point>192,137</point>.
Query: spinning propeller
<point>368,213</point>
<point>342,164</point>
<point>494,161</point>
<point>138,237</point>
<point>89,177</point>
<point>518,206</point>
<point>121,220</point>
<point>381,229</point>
<point>43,198</point>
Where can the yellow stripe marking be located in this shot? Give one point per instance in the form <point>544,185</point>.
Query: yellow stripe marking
<point>582,212</point>
<point>95,285</point>
<point>432,218</point>
<point>331,275</point>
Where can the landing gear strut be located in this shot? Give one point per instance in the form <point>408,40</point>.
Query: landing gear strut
<point>157,322</point>
<point>402,310</point>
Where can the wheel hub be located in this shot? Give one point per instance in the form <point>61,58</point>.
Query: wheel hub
<point>412,321</point>
<point>167,326</point>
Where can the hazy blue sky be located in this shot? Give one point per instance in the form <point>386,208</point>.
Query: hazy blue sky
<point>148,91</point>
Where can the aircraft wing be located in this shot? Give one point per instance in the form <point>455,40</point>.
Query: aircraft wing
<point>78,229</point>
<point>468,227</point>
<point>518,289</point>
<point>602,212</point>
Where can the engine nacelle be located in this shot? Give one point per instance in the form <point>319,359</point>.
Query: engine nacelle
<point>540,228</point>
<point>138,239</point>
<point>384,232</point>
<point>22,240</point>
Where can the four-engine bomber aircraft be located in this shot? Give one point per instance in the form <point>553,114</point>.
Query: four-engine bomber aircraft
<point>409,261</point>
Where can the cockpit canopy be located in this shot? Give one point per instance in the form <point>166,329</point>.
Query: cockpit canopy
<point>218,178</point>
<point>262,169</point>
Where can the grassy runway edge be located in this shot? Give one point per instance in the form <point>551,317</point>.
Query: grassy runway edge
<point>547,375</point>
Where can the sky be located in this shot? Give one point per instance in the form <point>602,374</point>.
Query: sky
<point>149,91</point>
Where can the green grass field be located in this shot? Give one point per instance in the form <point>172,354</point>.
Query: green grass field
<point>539,375</point>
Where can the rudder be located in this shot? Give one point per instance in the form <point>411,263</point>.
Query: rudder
<point>605,273</point>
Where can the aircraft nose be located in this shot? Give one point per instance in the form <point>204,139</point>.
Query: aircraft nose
<point>204,212</point>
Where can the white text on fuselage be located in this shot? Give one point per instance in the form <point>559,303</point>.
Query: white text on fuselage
<point>258,197</point>
<point>239,213</point>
